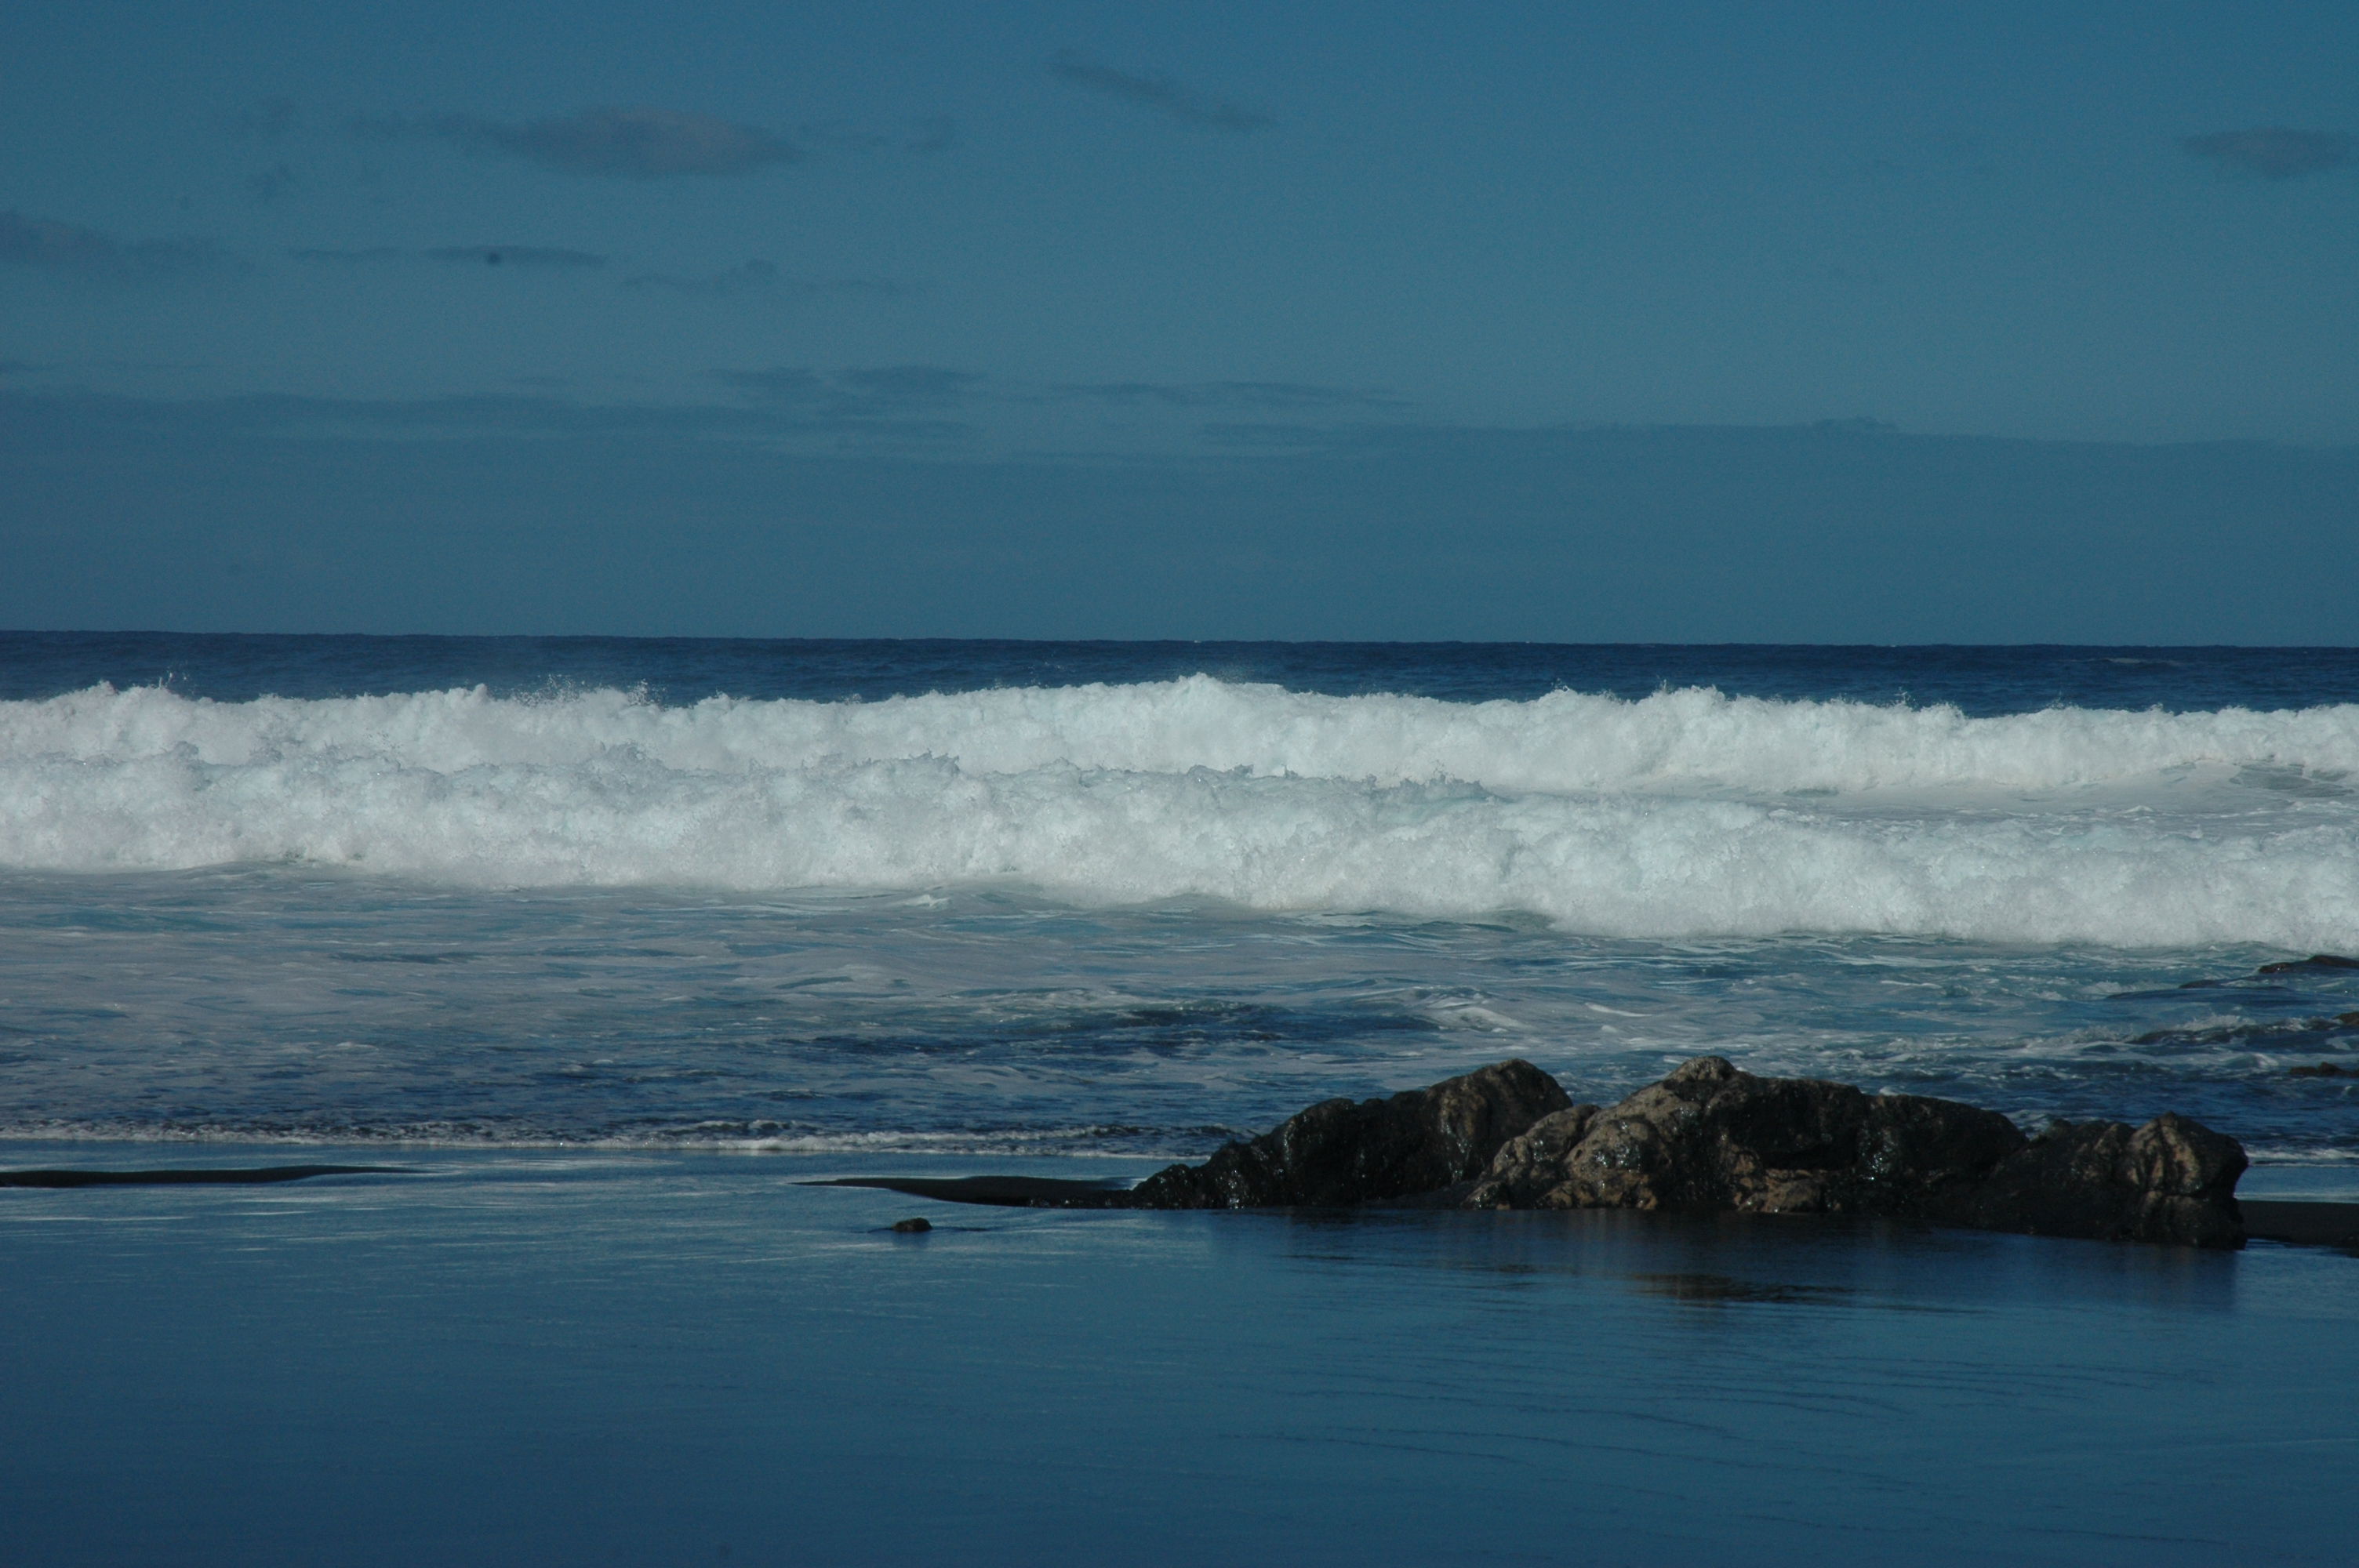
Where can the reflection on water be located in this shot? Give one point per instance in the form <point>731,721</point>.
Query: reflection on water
<point>525,1357</point>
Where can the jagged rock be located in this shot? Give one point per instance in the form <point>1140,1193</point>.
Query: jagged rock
<point>1711,1138</point>
<point>1708,1138</point>
<point>2173,1180</point>
<point>1341,1152</point>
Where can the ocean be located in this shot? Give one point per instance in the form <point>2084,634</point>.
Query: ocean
<point>1111,899</point>
<point>607,944</point>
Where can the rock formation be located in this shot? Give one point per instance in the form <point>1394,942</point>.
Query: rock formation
<point>1340,1152</point>
<point>1707,1140</point>
<point>1711,1138</point>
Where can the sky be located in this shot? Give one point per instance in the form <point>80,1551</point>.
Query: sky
<point>1684,322</point>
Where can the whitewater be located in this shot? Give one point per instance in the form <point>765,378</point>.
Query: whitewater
<point>1685,813</point>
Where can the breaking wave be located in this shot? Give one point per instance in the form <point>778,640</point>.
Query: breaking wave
<point>1686,813</point>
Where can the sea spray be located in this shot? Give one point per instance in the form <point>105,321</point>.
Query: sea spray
<point>1687,813</point>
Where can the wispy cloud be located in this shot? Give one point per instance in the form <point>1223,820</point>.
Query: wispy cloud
<point>761,277</point>
<point>546,256</point>
<point>1293,395</point>
<point>618,143</point>
<point>1155,91</point>
<point>514,256</point>
<point>70,250</point>
<point>335,257</point>
<point>2273,152</point>
<point>886,391</point>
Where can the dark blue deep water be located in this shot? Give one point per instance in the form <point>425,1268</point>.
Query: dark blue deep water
<point>1980,681</point>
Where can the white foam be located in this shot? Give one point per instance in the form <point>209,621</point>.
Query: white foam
<point>1674,816</point>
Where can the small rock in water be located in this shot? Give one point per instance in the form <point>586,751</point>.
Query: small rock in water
<point>912,1226</point>
<point>2324,1070</point>
<point>2315,961</point>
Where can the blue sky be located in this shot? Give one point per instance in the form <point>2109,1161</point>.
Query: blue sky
<point>1171,257</point>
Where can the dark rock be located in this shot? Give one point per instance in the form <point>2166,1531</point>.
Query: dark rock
<point>912,1226</point>
<point>209,1177</point>
<point>2173,1180</point>
<point>1711,1138</point>
<point>2324,1070</point>
<point>1708,1138</point>
<point>2302,1224</point>
<point>1003,1192</point>
<point>1340,1152</point>
<point>2315,961</point>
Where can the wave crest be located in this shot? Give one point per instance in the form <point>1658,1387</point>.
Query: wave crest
<point>1686,813</point>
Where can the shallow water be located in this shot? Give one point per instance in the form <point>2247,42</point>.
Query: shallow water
<point>646,1358</point>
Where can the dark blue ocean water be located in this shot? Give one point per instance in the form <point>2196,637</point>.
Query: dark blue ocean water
<point>1980,681</point>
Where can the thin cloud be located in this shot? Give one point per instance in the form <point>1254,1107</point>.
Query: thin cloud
<point>887,392</point>
<point>2273,152</point>
<point>761,277</point>
<point>461,256</point>
<point>1157,91</point>
<point>1293,395</point>
<point>514,256</point>
<point>70,250</point>
<point>617,143</point>
<point>910,387</point>
<point>348,257</point>
<point>784,384</point>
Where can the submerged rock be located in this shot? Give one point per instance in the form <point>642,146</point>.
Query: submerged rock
<point>2315,961</point>
<point>1341,1152</point>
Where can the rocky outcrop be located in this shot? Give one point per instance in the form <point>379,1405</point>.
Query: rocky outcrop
<point>2171,1180</point>
<point>1341,1152</point>
<point>1708,1139</point>
<point>1711,1138</point>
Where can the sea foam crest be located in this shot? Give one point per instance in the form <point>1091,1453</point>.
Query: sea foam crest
<point>1684,813</point>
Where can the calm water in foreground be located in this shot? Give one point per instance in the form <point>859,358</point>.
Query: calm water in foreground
<point>685,1359</point>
